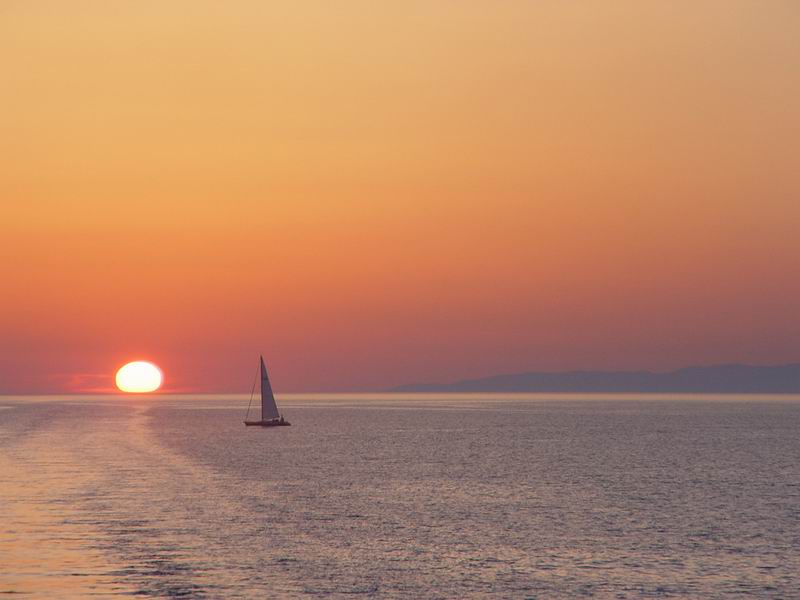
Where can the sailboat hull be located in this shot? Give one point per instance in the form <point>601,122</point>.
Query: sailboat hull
<point>275,423</point>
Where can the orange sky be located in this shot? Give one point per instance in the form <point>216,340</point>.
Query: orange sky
<point>381,193</point>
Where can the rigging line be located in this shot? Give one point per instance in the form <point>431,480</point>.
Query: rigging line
<point>253,391</point>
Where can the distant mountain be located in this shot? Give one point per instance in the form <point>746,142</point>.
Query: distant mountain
<point>721,379</point>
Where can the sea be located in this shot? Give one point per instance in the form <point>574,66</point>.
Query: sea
<point>401,496</point>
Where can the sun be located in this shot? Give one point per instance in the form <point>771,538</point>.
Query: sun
<point>139,377</point>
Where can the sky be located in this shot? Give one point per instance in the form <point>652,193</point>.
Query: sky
<point>374,193</point>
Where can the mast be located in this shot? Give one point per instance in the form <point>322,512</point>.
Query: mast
<point>269,410</point>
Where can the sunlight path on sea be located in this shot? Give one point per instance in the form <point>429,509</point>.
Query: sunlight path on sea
<point>96,506</point>
<point>47,548</point>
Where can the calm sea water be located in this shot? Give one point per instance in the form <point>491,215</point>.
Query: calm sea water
<point>401,496</point>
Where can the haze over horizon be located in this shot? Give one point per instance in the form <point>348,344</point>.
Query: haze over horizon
<point>374,195</point>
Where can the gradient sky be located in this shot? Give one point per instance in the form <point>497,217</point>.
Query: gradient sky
<point>376,193</point>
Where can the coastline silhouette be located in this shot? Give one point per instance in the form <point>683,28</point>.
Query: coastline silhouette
<point>719,379</point>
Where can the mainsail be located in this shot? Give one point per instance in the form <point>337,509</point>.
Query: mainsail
<point>269,410</point>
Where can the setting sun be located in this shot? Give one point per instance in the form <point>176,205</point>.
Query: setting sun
<point>139,377</point>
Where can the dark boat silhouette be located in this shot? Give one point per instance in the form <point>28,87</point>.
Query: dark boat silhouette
<point>270,417</point>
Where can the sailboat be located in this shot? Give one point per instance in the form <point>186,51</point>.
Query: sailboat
<point>270,417</point>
